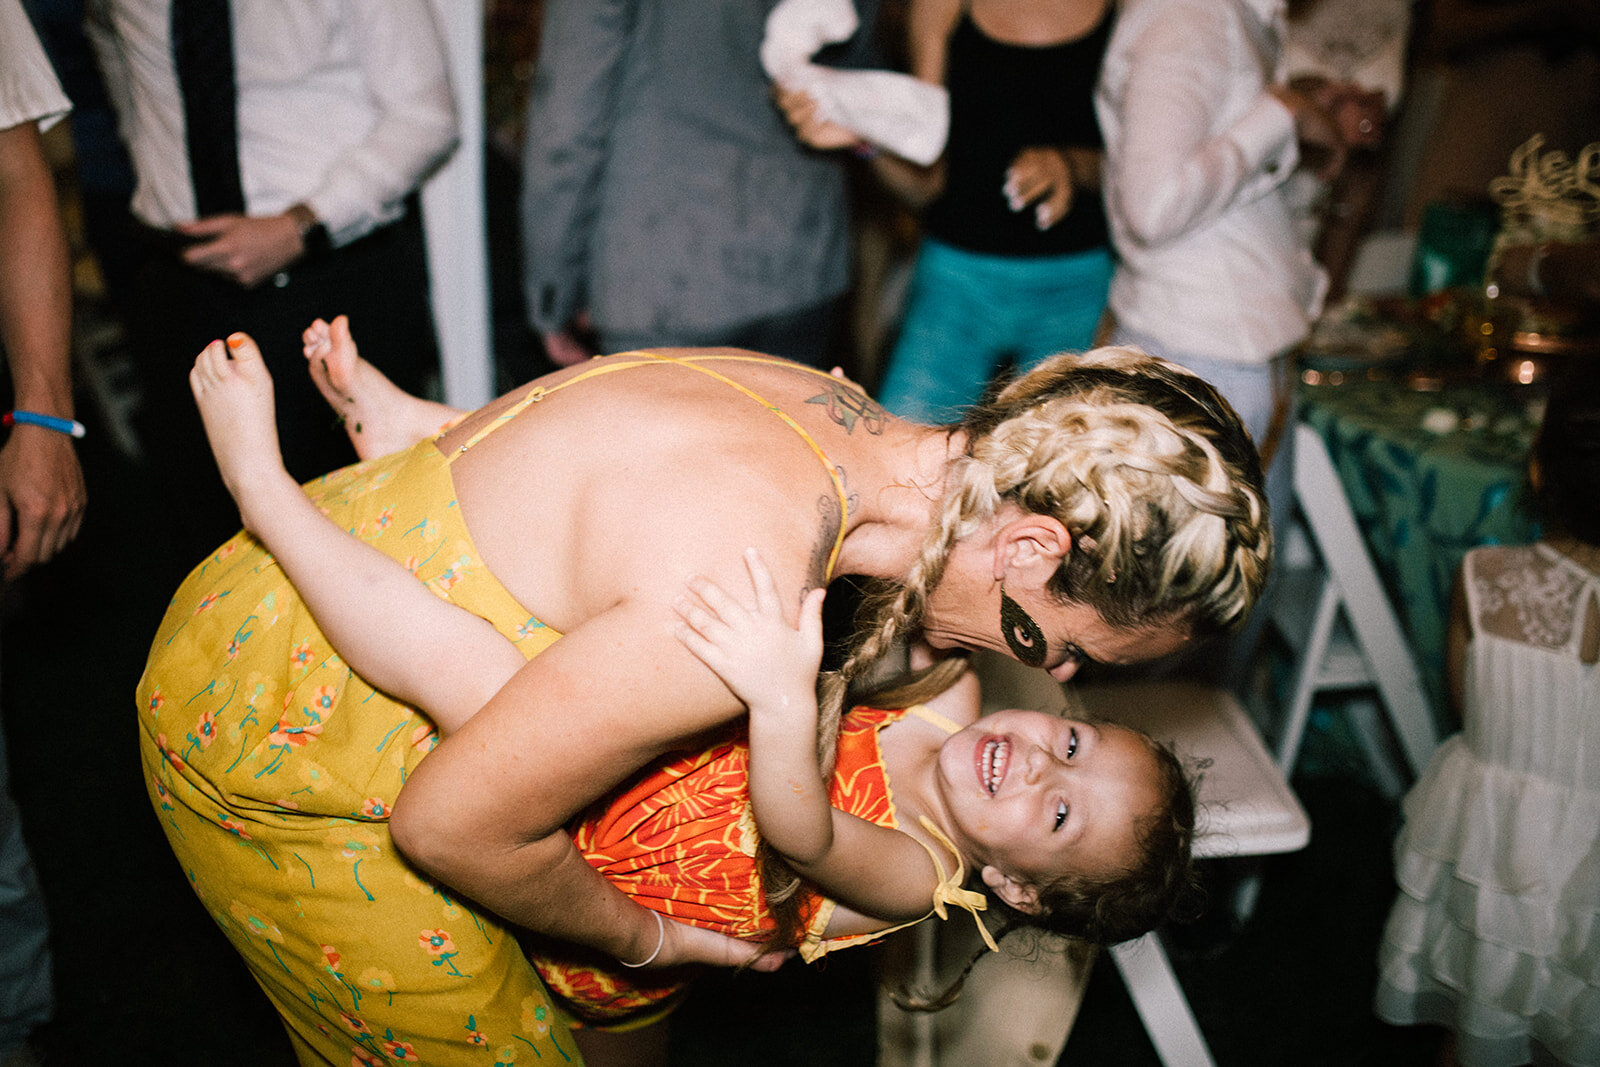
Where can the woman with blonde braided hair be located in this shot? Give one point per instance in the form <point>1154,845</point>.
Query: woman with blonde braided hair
<point>1103,507</point>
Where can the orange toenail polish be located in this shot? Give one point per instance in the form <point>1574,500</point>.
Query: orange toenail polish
<point>236,340</point>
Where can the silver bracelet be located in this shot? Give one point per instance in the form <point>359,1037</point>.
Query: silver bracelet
<point>661,939</point>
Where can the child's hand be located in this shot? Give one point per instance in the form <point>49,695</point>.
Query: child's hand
<point>757,654</point>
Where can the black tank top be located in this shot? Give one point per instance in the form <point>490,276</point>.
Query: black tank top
<point>1003,98</point>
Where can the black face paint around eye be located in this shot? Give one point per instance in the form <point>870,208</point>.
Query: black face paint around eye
<point>1022,633</point>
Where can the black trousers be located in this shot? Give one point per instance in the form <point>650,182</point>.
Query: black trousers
<point>380,281</point>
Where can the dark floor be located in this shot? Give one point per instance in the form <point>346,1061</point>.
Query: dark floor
<point>144,977</point>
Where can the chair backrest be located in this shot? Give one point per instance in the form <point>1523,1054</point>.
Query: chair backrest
<point>1321,499</point>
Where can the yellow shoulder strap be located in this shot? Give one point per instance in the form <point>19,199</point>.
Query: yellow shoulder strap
<point>617,363</point>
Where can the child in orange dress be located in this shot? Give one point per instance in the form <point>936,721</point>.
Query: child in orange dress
<point>1079,827</point>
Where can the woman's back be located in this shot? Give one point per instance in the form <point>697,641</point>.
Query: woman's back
<point>628,467</point>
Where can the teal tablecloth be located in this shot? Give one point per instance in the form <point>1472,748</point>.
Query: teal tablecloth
<point>1423,496</point>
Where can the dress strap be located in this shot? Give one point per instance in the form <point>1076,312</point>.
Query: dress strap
<point>640,359</point>
<point>950,890</point>
<point>928,715</point>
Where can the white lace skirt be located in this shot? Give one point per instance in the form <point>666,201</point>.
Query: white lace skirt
<point>1495,932</point>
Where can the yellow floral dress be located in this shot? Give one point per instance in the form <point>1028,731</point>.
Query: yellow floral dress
<point>273,766</point>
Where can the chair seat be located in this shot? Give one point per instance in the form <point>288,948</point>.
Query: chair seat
<point>1246,807</point>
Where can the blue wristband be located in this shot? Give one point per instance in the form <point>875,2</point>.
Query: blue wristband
<point>70,427</point>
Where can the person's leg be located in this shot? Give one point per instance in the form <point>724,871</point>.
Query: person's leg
<point>26,996</point>
<point>948,344</point>
<point>1062,299</point>
<point>1263,395</point>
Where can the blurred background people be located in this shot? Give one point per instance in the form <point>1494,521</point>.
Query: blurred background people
<point>664,201</point>
<point>1202,133</point>
<point>277,148</point>
<point>1015,260</point>
<point>1493,932</point>
<point>40,481</point>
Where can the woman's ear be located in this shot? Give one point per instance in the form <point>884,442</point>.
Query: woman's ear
<point>1038,542</point>
<point>1018,895</point>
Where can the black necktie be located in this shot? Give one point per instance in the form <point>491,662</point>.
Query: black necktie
<point>202,54</point>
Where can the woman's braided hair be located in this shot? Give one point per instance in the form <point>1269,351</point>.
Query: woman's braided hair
<point>1144,463</point>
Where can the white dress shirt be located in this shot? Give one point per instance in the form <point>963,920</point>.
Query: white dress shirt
<point>1197,152</point>
<point>29,91</point>
<point>344,105</point>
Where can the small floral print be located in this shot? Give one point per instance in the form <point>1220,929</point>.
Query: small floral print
<point>166,751</point>
<point>233,649</point>
<point>324,697</point>
<point>236,829</point>
<point>536,1015</point>
<point>157,698</point>
<point>375,808</point>
<point>506,1057</point>
<point>451,576</point>
<point>301,655</point>
<point>255,923</point>
<point>359,843</point>
<point>377,980</point>
<point>205,731</point>
<point>385,517</point>
<point>285,736</point>
<point>400,1050</point>
<point>207,601</point>
<point>331,955</point>
<point>354,1024</point>
<point>425,737</point>
<point>227,550</point>
<point>436,942</point>
<point>412,563</point>
<point>361,1057</point>
<point>476,1037</point>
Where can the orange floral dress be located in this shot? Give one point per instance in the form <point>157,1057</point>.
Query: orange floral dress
<point>681,840</point>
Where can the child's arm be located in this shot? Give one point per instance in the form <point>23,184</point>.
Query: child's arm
<point>378,617</point>
<point>772,667</point>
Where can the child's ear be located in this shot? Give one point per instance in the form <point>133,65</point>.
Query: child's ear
<point>1017,894</point>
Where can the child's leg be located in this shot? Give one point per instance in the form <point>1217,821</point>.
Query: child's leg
<point>444,660</point>
<point>379,416</point>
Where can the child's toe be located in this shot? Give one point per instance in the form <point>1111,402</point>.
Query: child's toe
<point>242,348</point>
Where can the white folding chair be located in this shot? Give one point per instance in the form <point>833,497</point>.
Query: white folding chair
<point>1246,809</point>
<point>1332,611</point>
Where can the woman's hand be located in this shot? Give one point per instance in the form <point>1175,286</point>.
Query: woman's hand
<point>682,943</point>
<point>1041,176</point>
<point>763,660</point>
<point>800,109</point>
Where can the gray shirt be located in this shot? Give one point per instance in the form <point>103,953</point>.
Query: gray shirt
<point>662,188</point>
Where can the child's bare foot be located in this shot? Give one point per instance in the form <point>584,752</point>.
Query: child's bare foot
<point>379,416</point>
<point>233,390</point>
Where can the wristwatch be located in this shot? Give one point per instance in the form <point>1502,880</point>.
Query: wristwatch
<point>313,234</point>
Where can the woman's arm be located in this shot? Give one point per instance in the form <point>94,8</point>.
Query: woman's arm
<point>929,24</point>
<point>378,617</point>
<point>1169,168</point>
<point>772,667</point>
